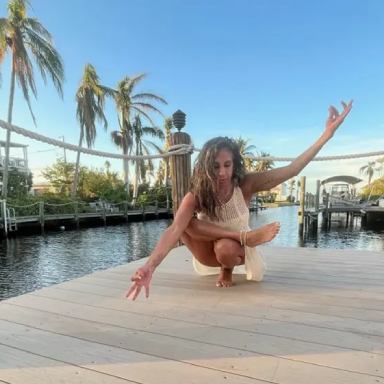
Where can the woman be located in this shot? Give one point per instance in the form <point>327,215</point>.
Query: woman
<point>219,237</point>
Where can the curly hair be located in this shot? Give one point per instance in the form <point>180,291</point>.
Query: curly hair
<point>203,181</point>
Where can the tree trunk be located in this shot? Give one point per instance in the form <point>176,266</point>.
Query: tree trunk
<point>76,176</point>
<point>126,174</point>
<point>136,184</point>
<point>166,182</point>
<point>4,191</point>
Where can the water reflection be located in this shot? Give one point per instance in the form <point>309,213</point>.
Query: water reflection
<point>338,236</point>
<point>31,262</point>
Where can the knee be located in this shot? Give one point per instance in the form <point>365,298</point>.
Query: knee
<point>228,252</point>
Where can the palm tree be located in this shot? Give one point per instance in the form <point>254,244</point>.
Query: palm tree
<point>22,36</point>
<point>90,98</point>
<point>368,170</point>
<point>246,150</point>
<point>264,165</point>
<point>126,103</point>
<point>298,190</point>
<point>291,185</point>
<point>141,148</point>
<point>380,167</point>
<point>164,171</point>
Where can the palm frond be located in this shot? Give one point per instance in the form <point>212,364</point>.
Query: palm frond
<point>147,106</point>
<point>141,112</point>
<point>149,96</point>
<point>154,132</point>
<point>3,38</point>
<point>131,82</point>
<point>36,26</point>
<point>153,145</point>
<point>47,59</point>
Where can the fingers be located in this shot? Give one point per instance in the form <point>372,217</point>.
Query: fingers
<point>133,292</point>
<point>346,107</point>
<point>130,291</point>
<point>333,112</point>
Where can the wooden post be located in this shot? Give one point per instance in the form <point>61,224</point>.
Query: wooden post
<point>76,209</point>
<point>104,214</point>
<point>180,170</point>
<point>317,201</point>
<point>126,210</point>
<point>327,214</point>
<point>41,215</point>
<point>302,205</point>
<point>4,215</point>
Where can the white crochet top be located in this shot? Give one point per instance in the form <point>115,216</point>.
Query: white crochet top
<point>234,215</point>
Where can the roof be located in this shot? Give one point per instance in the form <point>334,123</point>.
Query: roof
<point>343,179</point>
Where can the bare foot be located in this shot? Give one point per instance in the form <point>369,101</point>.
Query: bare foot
<point>225,278</point>
<point>262,234</point>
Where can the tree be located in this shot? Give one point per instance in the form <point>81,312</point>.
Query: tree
<point>22,37</point>
<point>163,173</point>
<point>298,190</point>
<point>264,165</point>
<point>380,167</point>
<point>141,147</point>
<point>90,99</point>
<point>368,170</point>
<point>19,184</point>
<point>60,176</point>
<point>99,184</point>
<point>128,102</point>
<point>375,189</point>
<point>246,150</point>
<point>291,186</point>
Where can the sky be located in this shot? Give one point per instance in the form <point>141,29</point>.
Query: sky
<point>265,70</point>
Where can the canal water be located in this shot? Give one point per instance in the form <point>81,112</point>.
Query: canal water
<point>31,262</point>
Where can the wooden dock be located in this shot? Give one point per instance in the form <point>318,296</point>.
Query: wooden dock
<point>318,317</point>
<point>25,223</point>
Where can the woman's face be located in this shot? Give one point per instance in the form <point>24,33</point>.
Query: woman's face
<point>223,167</point>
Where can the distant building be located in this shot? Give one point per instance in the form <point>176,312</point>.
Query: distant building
<point>281,192</point>
<point>39,189</point>
<point>18,159</point>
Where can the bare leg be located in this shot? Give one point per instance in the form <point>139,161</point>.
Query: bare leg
<point>205,231</point>
<point>214,246</point>
<point>229,253</point>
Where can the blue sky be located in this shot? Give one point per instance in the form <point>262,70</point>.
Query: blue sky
<point>266,70</point>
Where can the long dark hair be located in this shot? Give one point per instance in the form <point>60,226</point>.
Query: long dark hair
<point>203,182</point>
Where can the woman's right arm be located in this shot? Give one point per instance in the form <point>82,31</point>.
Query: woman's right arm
<point>167,241</point>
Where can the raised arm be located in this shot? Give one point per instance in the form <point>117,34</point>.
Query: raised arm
<point>261,181</point>
<point>167,241</point>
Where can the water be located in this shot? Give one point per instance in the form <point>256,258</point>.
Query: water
<point>31,262</point>
<point>338,236</point>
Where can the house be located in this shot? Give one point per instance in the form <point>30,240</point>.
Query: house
<point>18,159</point>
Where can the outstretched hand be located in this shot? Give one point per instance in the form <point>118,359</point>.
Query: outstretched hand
<point>335,118</point>
<point>141,278</point>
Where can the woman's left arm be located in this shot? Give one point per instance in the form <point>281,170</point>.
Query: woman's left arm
<point>261,181</point>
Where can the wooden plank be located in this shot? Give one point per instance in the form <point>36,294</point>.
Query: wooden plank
<point>115,361</point>
<point>20,367</point>
<point>288,329</point>
<point>175,322</point>
<point>280,320</point>
<point>109,349</point>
